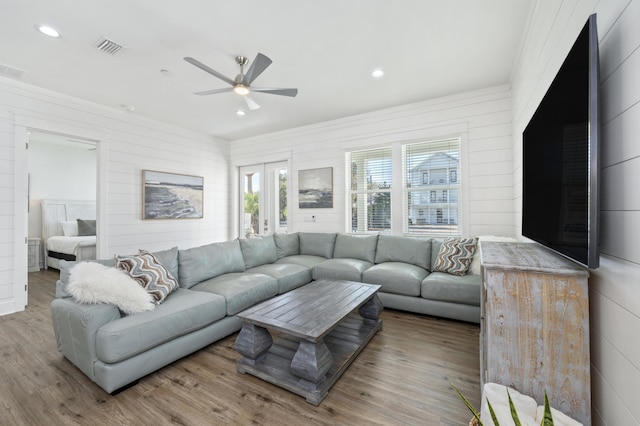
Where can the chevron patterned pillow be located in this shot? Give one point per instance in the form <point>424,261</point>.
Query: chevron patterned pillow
<point>147,270</point>
<point>455,255</point>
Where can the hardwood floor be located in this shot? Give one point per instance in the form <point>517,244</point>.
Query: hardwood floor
<point>401,378</point>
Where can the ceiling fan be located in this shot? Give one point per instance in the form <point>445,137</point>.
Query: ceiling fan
<point>241,85</point>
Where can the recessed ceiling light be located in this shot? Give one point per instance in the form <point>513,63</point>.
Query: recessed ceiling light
<point>377,73</point>
<point>48,31</point>
<point>240,112</point>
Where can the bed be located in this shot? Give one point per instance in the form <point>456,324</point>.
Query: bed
<point>66,229</point>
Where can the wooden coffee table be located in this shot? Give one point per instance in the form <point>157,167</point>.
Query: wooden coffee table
<point>305,339</point>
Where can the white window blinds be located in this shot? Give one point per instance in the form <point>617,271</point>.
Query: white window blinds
<point>369,186</point>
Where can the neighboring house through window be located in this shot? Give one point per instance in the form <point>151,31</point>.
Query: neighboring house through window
<point>440,161</point>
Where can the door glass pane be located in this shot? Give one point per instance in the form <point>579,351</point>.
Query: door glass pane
<point>251,218</point>
<point>283,181</point>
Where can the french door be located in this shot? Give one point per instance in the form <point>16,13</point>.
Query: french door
<point>264,198</point>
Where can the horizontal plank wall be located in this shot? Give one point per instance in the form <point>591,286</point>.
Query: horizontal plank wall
<point>615,286</point>
<point>484,117</point>
<point>128,144</point>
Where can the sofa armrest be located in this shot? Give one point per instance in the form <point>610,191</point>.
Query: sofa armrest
<point>75,326</point>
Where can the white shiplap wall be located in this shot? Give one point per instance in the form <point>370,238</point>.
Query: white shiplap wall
<point>483,118</point>
<point>127,145</point>
<point>615,286</point>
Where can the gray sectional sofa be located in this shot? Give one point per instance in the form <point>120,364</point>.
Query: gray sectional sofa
<point>219,280</point>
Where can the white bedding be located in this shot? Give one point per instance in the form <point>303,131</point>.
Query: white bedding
<point>69,245</point>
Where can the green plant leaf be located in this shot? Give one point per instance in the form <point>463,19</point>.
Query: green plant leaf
<point>547,419</point>
<point>468,404</point>
<point>514,413</point>
<point>493,414</point>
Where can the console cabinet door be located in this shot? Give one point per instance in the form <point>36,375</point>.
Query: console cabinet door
<point>535,326</point>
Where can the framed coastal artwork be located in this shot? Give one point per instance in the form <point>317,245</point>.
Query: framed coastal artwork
<point>315,188</point>
<point>171,195</point>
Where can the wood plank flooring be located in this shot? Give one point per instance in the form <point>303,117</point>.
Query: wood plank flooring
<point>401,378</point>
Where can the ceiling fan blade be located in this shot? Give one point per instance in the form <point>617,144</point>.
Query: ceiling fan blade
<point>214,91</point>
<point>259,64</point>
<point>276,91</point>
<point>208,69</point>
<point>251,103</point>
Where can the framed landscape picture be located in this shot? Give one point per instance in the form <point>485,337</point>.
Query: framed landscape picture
<point>171,196</point>
<point>315,188</point>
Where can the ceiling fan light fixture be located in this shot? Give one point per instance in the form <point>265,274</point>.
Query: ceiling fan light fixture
<point>241,89</point>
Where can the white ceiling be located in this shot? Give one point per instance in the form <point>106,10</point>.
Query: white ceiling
<point>327,49</point>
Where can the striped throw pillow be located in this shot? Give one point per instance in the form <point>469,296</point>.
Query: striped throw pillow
<point>455,255</point>
<point>147,270</point>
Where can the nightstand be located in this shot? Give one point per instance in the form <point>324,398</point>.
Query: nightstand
<point>34,255</point>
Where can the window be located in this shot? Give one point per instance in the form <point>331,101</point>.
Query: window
<point>369,184</point>
<point>426,176</point>
<point>440,161</point>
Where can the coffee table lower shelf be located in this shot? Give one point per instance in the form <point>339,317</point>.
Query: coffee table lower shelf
<point>344,342</point>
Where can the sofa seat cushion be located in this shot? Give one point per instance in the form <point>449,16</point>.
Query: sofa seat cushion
<point>306,260</point>
<point>182,312</point>
<point>341,269</point>
<point>396,277</point>
<point>289,276</point>
<point>241,290</point>
<point>451,288</point>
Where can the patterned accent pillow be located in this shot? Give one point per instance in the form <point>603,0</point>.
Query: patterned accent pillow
<point>455,255</point>
<point>147,270</point>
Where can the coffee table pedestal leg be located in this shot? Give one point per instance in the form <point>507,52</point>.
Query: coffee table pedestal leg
<point>371,310</point>
<point>311,362</point>
<point>252,342</point>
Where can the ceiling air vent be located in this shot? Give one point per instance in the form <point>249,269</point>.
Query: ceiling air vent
<point>10,71</point>
<point>108,46</point>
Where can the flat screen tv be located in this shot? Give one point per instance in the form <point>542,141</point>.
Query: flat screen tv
<point>561,162</point>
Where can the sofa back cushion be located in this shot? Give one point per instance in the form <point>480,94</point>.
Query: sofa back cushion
<point>317,244</point>
<point>169,259</point>
<point>287,244</point>
<point>201,263</point>
<point>416,251</point>
<point>258,251</point>
<point>361,247</point>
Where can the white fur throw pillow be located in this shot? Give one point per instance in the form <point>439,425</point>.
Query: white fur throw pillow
<point>91,282</point>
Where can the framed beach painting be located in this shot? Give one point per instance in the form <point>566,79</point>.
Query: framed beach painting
<point>171,195</point>
<point>315,188</point>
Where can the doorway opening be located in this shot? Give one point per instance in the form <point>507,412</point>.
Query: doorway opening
<point>59,167</point>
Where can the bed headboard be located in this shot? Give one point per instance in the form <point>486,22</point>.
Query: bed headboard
<point>56,211</point>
